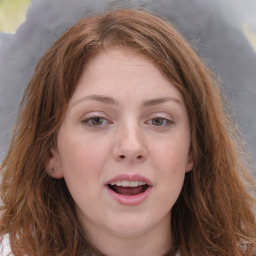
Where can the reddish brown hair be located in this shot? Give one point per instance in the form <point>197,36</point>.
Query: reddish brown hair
<point>214,212</point>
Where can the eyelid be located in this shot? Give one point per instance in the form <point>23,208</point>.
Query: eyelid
<point>89,114</point>
<point>161,115</point>
<point>94,114</point>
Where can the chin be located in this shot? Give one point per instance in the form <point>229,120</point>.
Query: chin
<point>130,226</point>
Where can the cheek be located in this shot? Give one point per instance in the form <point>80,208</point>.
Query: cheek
<point>170,159</point>
<point>172,154</point>
<point>82,155</point>
<point>82,163</point>
<point>169,164</point>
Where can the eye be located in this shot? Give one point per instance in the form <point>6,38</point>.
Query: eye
<point>95,121</point>
<point>160,121</point>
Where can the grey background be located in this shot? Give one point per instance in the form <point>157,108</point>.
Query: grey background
<point>212,26</point>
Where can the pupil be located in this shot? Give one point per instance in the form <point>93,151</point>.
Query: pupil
<point>97,120</point>
<point>157,121</point>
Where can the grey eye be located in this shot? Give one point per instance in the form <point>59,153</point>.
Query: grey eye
<point>96,120</point>
<point>158,121</point>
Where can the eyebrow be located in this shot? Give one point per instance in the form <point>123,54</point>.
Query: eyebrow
<point>157,101</point>
<point>99,98</point>
<point>114,102</point>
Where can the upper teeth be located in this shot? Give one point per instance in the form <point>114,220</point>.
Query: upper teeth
<point>128,183</point>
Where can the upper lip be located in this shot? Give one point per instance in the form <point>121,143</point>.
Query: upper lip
<point>130,177</point>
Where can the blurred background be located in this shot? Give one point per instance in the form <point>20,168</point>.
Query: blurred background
<point>223,32</point>
<point>12,14</point>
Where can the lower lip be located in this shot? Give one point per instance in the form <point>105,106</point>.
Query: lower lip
<point>129,200</point>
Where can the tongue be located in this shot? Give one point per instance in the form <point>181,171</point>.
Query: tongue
<point>129,191</point>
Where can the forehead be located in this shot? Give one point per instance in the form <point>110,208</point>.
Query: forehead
<point>118,56</point>
<point>117,70</point>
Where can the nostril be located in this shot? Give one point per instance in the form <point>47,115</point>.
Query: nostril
<point>138,157</point>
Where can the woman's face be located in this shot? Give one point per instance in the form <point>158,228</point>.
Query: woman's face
<point>123,148</point>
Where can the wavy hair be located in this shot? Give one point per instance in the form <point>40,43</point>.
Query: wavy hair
<point>214,212</point>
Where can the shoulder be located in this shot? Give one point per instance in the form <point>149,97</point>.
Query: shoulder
<point>5,249</point>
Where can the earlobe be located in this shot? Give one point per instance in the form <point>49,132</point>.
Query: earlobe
<point>189,167</point>
<point>53,166</point>
<point>190,163</point>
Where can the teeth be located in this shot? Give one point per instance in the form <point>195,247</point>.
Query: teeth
<point>134,183</point>
<point>119,183</point>
<point>127,183</point>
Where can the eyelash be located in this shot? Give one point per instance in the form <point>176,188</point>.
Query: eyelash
<point>88,121</point>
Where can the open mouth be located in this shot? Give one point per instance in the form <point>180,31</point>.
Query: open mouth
<point>128,188</point>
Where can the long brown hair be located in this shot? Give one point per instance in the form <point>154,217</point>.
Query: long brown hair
<point>214,212</point>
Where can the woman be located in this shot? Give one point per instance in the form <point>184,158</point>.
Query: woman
<point>123,147</point>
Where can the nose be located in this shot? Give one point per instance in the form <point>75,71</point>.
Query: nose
<point>130,145</point>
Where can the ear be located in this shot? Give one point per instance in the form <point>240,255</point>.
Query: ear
<point>53,165</point>
<point>190,163</point>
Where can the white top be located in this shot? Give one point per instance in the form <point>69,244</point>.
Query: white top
<point>5,249</point>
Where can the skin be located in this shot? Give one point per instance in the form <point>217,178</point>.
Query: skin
<point>131,134</point>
